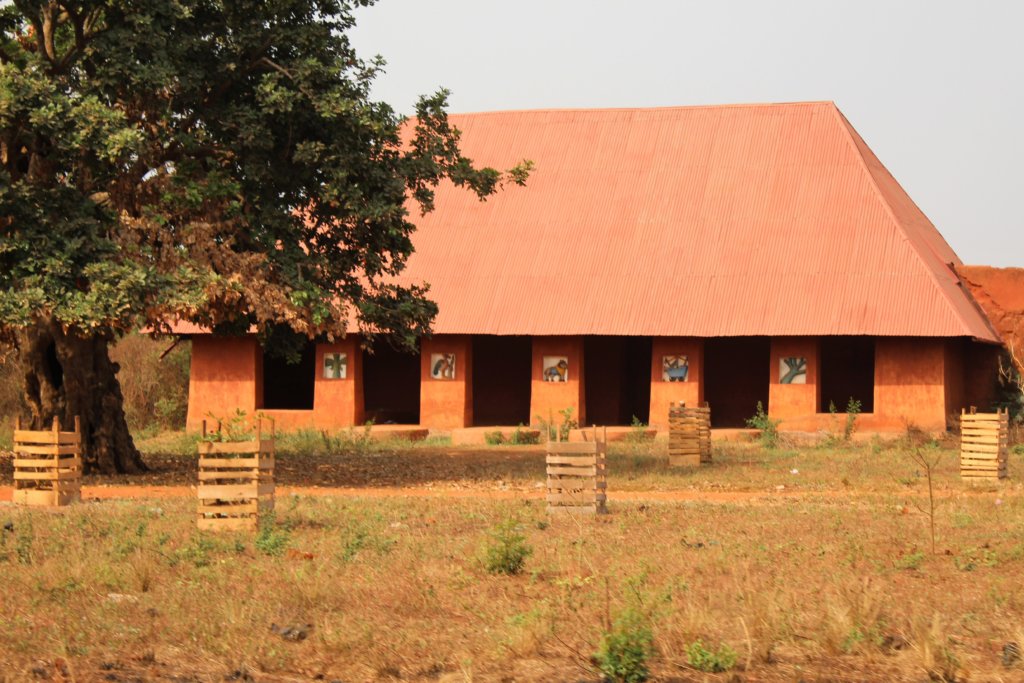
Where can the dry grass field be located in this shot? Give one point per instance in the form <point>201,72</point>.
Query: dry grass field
<point>829,578</point>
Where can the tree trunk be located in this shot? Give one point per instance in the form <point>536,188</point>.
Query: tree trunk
<point>67,374</point>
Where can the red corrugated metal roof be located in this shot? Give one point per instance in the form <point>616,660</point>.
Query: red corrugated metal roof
<point>693,221</point>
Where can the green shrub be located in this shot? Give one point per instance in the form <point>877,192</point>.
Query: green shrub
<point>507,550</point>
<point>852,411</point>
<point>637,431</point>
<point>710,661</point>
<point>521,436</point>
<point>625,648</point>
<point>768,428</point>
<point>495,438</point>
<point>271,540</point>
<point>911,561</point>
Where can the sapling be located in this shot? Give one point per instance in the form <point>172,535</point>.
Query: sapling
<point>928,465</point>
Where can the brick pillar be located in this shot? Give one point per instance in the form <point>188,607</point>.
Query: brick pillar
<point>664,392</point>
<point>225,375</point>
<point>795,403</point>
<point>910,383</point>
<point>446,402</point>
<point>338,401</point>
<point>547,398</point>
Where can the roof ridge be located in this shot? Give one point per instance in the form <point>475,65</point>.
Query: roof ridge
<point>672,107</point>
<point>849,131</point>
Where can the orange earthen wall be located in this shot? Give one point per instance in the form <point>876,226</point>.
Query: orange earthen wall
<point>918,381</point>
<point>690,392</point>
<point>548,398</point>
<point>910,390</point>
<point>795,404</point>
<point>224,376</point>
<point>447,403</point>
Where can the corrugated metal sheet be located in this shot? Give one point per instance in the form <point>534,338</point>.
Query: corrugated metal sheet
<point>692,221</point>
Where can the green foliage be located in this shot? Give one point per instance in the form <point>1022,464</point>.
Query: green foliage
<point>236,427</point>
<point>507,549</point>
<point>568,423</point>
<point>272,539</point>
<point>626,647</point>
<point>197,552</point>
<point>850,426</point>
<point>519,437</point>
<point>154,381</point>
<point>911,561</point>
<point>557,431</point>
<point>220,163</point>
<point>637,431</point>
<point>711,661</point>
<point>768,428</point>
<point>359,537</point>
<point>523,437</point>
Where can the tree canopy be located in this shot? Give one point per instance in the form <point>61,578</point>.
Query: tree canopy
<point>214,161</point>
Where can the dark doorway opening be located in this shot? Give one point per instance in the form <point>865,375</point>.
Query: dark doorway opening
<point>289,386</point>
<point>847,371</point>
<point>617,380</point>
<point>737,372</point>
<point>501,380</point>
<point>391,386</point>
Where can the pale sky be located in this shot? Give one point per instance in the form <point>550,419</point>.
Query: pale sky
<point>936,88</point>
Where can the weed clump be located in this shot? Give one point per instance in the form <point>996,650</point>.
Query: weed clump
<point>507,551</point>
<point>710,661</point>
<point>625,648</point>
<point>768,428</point>
<point>271,540</point>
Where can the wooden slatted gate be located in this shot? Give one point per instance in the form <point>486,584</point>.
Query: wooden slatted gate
<point>47,465</point>
<point>984,444</point>
<point>577,478</point>
<point>236,479</point>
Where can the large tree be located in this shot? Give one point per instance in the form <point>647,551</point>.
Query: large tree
<point>214,161</point>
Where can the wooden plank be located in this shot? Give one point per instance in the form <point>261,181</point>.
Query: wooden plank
<point>227,491</point>
<point>46,450</point>
<point>556,470</point>
<point>982,417</point>
<point>575,484</point>
<point>567,447</point>
<point>228,447</point>
<point>24,436</point>
<point>575,498</point>
<point>581,460</point>
<point>247,508</point>
<point>993,439</point>
<point>227,524</point>
<point>979,448</point>
<point>205,461</point>
<point>45,476</point>
<point>47,462</point>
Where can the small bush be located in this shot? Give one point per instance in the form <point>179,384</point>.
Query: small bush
<point>271,540</point>
<point>507,551</point>
<point>710,661</point>
<point>495,438</point>
<point>559,431</point>
<point>625,648</point>
<point>912,561</point>
<point>522,437</point>
<point>769,428</point>
<point>852,411</point>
